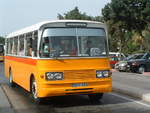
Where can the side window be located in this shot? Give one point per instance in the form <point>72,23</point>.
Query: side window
<point>15,46</point>
<point>21,45</point>
<point>28,51</point>
<point>10,45</point>
<point>31,44</point>
<point>7,45</point>
<point>34,42</point>
<point>45,49</point>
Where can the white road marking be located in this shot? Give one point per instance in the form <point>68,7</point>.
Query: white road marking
<point>129,99</point>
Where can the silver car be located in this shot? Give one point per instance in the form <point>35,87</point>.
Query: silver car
<point>123,65</point>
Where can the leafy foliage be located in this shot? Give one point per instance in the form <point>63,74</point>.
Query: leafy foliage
<point>128,17</point>
<point>75,14</point>
<point>2,40</point>
<point>128,23</point>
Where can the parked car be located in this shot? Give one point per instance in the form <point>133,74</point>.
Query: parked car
<point>123,65</point>
<point>140,65</point>
<point>113,61</point>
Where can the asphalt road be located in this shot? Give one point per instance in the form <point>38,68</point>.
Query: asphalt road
<point>132,79</point>
<point>21,102</point>
<point>2,78</point>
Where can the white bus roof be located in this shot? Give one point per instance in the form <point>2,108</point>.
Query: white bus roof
<point>38,25</point>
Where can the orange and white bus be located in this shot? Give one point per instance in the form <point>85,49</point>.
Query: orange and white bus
<point>62,57</point>
<point>1,52</point>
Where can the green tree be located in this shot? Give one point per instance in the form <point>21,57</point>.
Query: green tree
<point>75,14</point>
<point>2,40</point>
<point>131,15</point>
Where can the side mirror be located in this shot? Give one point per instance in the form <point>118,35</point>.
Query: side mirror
<point>95,52</point>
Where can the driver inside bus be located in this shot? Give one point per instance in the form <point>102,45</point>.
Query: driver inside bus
<point>64,47</point>
<point>88,47</point>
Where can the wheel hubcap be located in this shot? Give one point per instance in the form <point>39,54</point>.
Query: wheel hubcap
<point>34,89</point>
<point>10,78</point>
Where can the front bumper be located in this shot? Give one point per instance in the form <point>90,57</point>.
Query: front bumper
<point>134,68</point>
<point>122,68</point>
<point>60,89</point>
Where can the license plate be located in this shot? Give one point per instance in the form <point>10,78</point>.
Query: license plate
<point>79,84</point>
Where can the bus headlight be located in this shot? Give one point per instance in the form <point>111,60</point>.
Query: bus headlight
<point>102,74</point>
<point>54,76</point>
<point>106,73</point>
<point>99,74</point>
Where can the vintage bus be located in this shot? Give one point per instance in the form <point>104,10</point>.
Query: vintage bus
<point>1,52</point>
<point>62,57</point>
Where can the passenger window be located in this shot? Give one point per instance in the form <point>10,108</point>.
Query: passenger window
<point>28,51</point>
<point>21,45</point>
<point>45,47</point>
<point>34,43</point>
<point>7,45</point>
<point>31,44</point>
<point>10,46</point>
<point>15,46</point>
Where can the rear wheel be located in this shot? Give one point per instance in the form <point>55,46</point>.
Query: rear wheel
<point>141,69</point>
<point>95,97</point>
<point>34,91</point>
<point>133,70</point>
<point>11,83</point>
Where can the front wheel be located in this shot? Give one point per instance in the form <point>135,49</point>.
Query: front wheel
<point>95,97</point>
<point>141,69</point>
<point>34,91</point>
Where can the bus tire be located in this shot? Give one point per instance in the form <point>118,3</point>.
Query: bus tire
<point>95,97</point>
<point>36,99</point>
<point>11,83</point>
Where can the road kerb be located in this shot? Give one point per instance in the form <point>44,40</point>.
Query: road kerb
<point>5,106</point>
<point>146,74</point>
<point>132,92</point>
<point>114,70</point>
<point>3,99</point>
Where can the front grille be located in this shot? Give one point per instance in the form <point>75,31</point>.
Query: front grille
<point>79,89</point>
<point>79,74</point>
<point>130,64</point>
<point>74,93</point>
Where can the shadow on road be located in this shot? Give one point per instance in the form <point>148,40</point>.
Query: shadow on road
<point>65,101</point>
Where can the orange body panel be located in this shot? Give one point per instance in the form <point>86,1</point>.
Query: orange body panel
<point>81,70</point>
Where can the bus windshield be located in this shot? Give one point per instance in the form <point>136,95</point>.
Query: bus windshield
<point>73,42</point>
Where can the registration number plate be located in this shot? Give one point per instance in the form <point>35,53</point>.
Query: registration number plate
<point>79,84</point>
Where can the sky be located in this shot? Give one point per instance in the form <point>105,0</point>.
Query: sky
<point>17,14</point>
